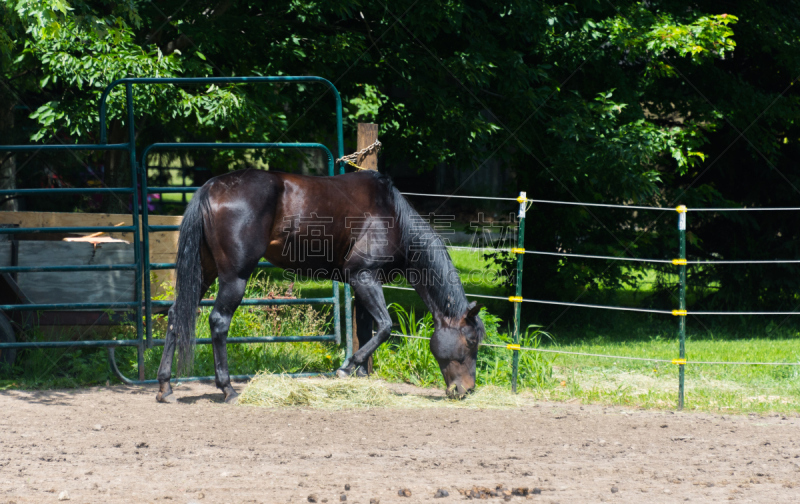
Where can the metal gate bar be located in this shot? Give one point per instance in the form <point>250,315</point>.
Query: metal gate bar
<point>143,306</point>
<point>137,263</point>
<point>334,300</point>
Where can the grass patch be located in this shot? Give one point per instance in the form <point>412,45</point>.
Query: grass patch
<point>410,359</point>
<point>252,358</point>
<point>715,388</point>
<point>68,368</point>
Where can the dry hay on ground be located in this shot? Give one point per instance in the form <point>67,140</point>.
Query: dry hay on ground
<point>280,391</point>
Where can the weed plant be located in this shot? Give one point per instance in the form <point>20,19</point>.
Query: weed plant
<point>48,368</point>
<point>250,358</point>
<point>55,367</point>
<point>409,359</point>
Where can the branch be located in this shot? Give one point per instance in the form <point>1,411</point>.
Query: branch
<point>23,74</point>
<point>9,198</point>
<point>369,34</point>
<point>181,43</point>
<point>219,10</point>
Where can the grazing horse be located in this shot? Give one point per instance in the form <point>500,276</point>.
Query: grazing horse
<point>356,228</point>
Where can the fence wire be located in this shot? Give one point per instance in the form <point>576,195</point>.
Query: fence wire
<point>602,205</point>
<point>631,259</point>
<point>775,209</point>
<point>617,357</point>
<point>459,197</point>
<point>612,258</point>
<point>678,262</point>
<point>604,307</point>
<point>501,298</point>
<point>606,205</point>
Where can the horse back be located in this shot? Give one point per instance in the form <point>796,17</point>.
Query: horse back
<point>298,221</point>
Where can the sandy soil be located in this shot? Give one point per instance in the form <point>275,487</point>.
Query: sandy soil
<point>116,444</point>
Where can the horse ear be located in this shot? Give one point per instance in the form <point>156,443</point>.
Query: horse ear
<point>473,309</point>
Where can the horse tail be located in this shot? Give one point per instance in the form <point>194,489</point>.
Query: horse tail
<point>189,281</point>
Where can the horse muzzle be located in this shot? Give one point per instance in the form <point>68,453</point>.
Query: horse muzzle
<point>457,391</point>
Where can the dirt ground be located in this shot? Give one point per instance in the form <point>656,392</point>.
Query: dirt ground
<point>117,445</point>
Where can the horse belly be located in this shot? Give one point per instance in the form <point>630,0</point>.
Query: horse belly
<point>306,255</point>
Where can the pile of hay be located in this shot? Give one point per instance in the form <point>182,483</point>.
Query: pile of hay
<point>279,391</point>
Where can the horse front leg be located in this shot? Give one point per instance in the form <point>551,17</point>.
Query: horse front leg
<point>370,293</point>
<point>230,295</point>
<point>363,330</point>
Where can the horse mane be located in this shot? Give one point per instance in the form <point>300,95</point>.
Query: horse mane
<point>425,251</point>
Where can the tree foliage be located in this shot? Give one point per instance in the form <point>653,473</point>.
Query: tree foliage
<point>654,102</point>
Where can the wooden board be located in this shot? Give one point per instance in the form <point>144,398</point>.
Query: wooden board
<point>73,287</point>
<point>162,242</point>
<point>163,245</point>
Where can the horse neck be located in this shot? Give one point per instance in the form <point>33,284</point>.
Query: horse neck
<point>425,293</point>
<point>436,279</point>
<point>428,265</point>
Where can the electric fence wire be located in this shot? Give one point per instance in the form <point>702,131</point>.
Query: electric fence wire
<point>604,307</point>
<point>622,308</point>
<point>619,308</point>
<point>766,209</point>
<point>459,197</point>
<point>617,357</point>
<point>663,261</point>
<point>607,205</point>
<point>633,259</point>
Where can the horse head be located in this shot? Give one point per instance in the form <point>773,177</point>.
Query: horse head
<point>455,345</point>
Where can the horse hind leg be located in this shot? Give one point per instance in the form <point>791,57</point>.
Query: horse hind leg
<point>230,295</point>
<point>165,368</point>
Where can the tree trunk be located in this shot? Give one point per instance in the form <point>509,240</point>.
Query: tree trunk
<point>118,172</point>
<point>8,169</point>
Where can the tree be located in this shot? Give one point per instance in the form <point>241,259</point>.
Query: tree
<point>592,101</point>
<point>727,118</point>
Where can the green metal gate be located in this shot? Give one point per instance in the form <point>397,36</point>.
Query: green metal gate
<point>142,305</point>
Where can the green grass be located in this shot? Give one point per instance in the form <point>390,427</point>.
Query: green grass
<point>410,360</point>
<point>49,368</point>
<point>721,388</point>
<point>731,388</point>
<point>60,368</point>
<point>644,384</point>
<point>259,321</point>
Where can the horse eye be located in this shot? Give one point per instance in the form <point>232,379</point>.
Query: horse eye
<point>471,335</point>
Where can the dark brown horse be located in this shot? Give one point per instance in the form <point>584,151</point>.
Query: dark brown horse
<point>355,228</point>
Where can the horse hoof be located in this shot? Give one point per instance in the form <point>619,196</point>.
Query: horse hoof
<point>232,398</point>
<point>166,398</point>
<point>361,372</point>
<point>343,373</point>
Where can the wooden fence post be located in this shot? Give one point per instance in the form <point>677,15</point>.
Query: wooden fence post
<point>367,134</point>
